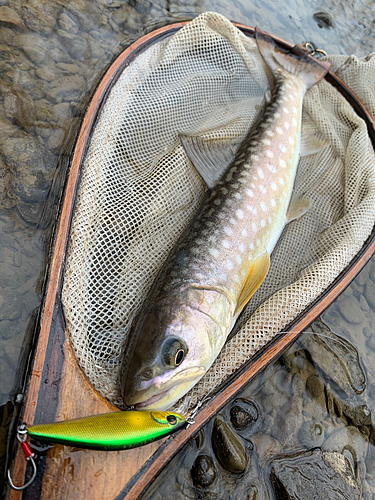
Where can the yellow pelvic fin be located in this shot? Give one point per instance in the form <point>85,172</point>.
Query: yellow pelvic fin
<point>256,275</point>
<point>297,208</point>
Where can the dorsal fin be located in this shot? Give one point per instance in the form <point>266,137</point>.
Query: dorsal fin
<point>209,158</point>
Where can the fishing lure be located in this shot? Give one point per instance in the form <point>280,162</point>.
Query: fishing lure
<point>110,431</point>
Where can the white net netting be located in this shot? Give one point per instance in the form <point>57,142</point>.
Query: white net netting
<point>138,192</point>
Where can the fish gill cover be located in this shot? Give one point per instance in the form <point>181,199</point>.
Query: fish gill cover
<point>138,193</point>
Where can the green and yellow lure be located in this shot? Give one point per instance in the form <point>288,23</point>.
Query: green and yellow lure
<point>110,431</point>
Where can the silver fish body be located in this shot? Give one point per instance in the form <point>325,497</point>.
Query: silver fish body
<point>224,255</point>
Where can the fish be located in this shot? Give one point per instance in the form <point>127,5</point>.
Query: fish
<point>224,255</point>
<point>110,431</point>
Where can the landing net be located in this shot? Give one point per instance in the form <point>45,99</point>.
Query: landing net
<point>138,192</point>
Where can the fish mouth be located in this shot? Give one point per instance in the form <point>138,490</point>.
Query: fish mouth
<point>194,374</point>
<point>153,399</point>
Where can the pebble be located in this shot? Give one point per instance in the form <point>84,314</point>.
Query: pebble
<point>227,447</point>
<point>311,434</point>
<point>10,16</point>
<point>203,471</point>
<point>243,413</point>
<point>315,385</point>
<point>351,310</point>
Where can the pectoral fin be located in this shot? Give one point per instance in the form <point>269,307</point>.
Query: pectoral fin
<point>256,276</point>
<point>209,158</point>
<point>297,208</point>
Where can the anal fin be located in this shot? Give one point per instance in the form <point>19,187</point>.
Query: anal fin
<point>257,273</point>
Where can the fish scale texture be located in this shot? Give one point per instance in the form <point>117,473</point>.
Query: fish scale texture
<point>138,192</point>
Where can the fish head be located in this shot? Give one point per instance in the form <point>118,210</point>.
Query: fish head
<point>176,341</point>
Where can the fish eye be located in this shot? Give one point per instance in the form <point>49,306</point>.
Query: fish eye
<point>173,352</point>
<point>172,419</point>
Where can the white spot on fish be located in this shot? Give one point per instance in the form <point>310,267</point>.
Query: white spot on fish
<point>295,110</point>
<point>238,259</point>
<point>233,221</point>
<point>294,122</point>
<point>230,265</point>
<point>239,213</point>
<point>270,220</point>
<point>241,247</point>
<point>263,190</point>
<point>217,201</point>
<point>224,190</point>
<point>273,186</point>
<point>260,173</point>
<point>258,242</point>
<point>282,182</point>
<point>295,93</point>
<point>226,244</point>
<point>249,193</point>
<point>263,223</point>
<point>252,185</point>
<point>286,125</point>
<point>251,209</point>
<point>270,133</point>
<point>254,227</point>
<point>269,153</point>
<point>237,278</point>
<point>279,130</point>
<point>277,115</point>
<point>263,206</point>
<point>228,231</point>
<point>283,148</point>
<point>273,202</point>
<point>254,158</point>
<point>251,246</point>
<point>291,141</point>
<point>244,233</point>
<point>267,142</point>
<point>282,163</point>
<point>286,110</point>
<point>238,196</point>
<point>271,168</point>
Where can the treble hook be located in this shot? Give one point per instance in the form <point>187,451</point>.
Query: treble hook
<point>21,436</point>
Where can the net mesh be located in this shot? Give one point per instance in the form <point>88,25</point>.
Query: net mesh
<point>138,192</point>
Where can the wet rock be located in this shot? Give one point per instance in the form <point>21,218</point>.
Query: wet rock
<point>323,19</point>
<point>30,212</point>
<point>40,15</point>
<point>75,44</point>
<point>266,447</point>
<point>19,107</point>
<point>315,386</point>
<point>68,68</point>
<point>203,471</point>
<point>370,342</point>
<point>10,17</point>
<point>312,475</point>
<point>32,45</point>
<point>350,439</point>
<point>335,357</point>
<point>67,23</point>
<point>10,305</point>
<point>287,422</point>
<point>351,310</point>
<point>227,447</point>
<point>46,74</point>
<point>311,434</point>
<point>67,88</point>
<point>27,161</point>
<point>56,139</point>
<point>243,413</point>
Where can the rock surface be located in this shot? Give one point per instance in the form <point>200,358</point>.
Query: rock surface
<point>313,475</point>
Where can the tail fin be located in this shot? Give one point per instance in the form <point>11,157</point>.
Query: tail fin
<point>308,69</point>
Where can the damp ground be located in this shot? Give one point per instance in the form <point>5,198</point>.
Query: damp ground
<point>52,56</point>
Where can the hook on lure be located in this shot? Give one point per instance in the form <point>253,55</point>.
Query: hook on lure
<point>21,436</point>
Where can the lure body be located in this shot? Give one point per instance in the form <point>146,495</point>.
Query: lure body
<point>110,431</point>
